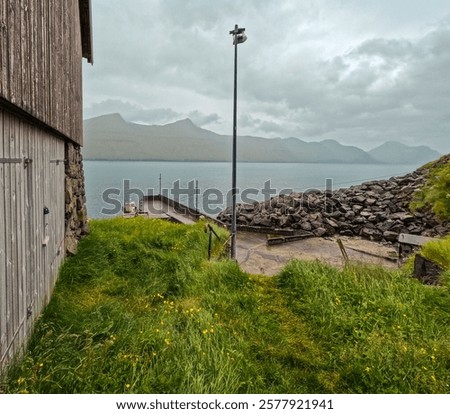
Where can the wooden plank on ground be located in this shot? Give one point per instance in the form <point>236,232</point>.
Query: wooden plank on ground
<point>286,239</point>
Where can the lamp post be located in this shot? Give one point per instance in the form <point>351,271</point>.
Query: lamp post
<point>238,37</point>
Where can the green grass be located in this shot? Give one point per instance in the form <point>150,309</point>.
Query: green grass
<point>438,251</point>
<point>385,332</point>
<point>140,309</point>
<point>435,194</point>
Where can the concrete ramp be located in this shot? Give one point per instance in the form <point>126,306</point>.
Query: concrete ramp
<point>165,208</point>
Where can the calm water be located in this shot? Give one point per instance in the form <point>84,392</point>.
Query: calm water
<point>106,186</point>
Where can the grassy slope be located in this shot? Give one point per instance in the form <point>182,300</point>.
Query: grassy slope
<point>140,309</point>
<point>435,194</point>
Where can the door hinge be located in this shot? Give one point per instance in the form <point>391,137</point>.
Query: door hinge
<point>10,160</point>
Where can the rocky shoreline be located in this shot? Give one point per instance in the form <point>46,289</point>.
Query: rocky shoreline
<point>376,210</point>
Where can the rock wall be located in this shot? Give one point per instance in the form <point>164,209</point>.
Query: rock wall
<point>377,210</point>
<point>75,199</point>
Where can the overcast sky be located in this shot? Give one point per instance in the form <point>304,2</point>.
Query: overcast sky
<point>361,72</point>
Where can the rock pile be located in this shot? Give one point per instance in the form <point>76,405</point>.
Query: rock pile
<point>376,210</point>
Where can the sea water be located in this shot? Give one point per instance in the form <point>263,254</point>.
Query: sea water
<point>110,183</point>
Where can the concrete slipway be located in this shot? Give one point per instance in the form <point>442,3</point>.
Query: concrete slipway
<point>255,256</point>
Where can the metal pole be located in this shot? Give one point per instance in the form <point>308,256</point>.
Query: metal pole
<point>209,244</point>
<point>233,174</point>
<point>196,195</point>
<point>159,183</point>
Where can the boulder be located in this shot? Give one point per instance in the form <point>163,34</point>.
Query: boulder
<point>316,224</point>
<point>330,223</point>
<point>319,232</point>
<point>370,233</point>
<point>426,271</point>
<point>283,221</point>
<point>390,236</point>
<point>359,199</point>
<point>306,225</point>
<point>265,222</point>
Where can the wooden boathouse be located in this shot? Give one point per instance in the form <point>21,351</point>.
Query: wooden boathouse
<point>42,200</point>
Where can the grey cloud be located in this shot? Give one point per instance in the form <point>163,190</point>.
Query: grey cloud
<point>132,112</point>
<point>136,113</point>
<point>262,126</point>
<point>295,79</point>
<point>388,88</point>
<point>203,119</point>
<point>385,48</point>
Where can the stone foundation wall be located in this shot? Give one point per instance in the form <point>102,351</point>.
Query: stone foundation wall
<point>76,223</point>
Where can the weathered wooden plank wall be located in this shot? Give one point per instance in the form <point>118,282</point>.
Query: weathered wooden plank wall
<point>28,268</point>
<point>40,61</point>
<point>41,48</point>
<point>3,233</point>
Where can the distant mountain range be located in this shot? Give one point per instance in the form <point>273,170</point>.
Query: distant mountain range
<point>110,137</point>
<point>393,152</point>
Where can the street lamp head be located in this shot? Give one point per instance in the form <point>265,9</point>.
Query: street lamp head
<point>239,35</point>
<point>240,38</point>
